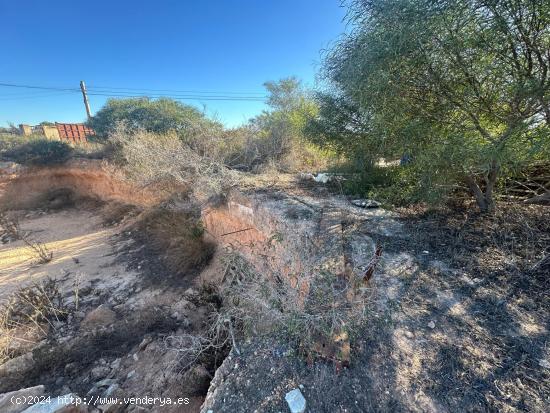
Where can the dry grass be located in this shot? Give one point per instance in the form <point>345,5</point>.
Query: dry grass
<point>153,159</point>
<point>178,236</point>
<point>33,307</point>
<point>248,304</point>
<point>11,227</point>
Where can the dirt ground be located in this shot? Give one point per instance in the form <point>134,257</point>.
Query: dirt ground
<point>119,349</point>
<point>459,322</point>
<point>81,247</point>
<point>458,317</point>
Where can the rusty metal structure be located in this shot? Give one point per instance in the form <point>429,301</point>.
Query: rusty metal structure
<point>74,132</point>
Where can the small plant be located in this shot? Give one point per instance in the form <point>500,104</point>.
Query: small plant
<point>12,229</point>
<point>32,306</point>
<point>178,237</point>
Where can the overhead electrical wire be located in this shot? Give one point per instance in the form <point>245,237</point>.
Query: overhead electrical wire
<point>135,93</point>
<point>176,91</point>
<point>2,98</point>
<point>181,97</point>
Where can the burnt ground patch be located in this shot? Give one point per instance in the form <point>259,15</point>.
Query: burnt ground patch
<point>84,349</point>
<point>463,326</point>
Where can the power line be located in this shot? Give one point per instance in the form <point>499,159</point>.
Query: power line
<point>121,92</point>
<point>38,87</point>
<point>34,96</point>
<point>182,97</point>
<point>260,94</point>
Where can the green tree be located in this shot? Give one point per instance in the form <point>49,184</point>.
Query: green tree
<point>284,123</point>
<point>461,85</point>
<point>159,116</point>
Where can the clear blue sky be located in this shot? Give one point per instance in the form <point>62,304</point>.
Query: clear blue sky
<point>208,45</point>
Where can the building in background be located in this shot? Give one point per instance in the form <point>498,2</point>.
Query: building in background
<point>25,130</point>
<point>68,132</point>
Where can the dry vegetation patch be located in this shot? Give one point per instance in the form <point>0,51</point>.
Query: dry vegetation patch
<point>177,236</point>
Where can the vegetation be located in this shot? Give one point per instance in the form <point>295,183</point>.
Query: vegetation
<point>39,152</point>
<point>461,87</point>
<point>158,116</point>
<point>178,237</point>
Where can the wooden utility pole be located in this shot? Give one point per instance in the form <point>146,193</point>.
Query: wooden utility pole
<point>85,96</point>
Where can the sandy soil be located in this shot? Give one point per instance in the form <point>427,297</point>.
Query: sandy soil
<point>82,253</point>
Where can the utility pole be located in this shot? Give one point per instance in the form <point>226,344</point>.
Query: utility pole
<point>85,96</point>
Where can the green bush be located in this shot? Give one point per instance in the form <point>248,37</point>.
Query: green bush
<point>39,152</point>
<point>157,116</point>
<point>391,185</point>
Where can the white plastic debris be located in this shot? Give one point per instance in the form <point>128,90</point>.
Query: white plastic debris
<point>366,203</point>
<point>296,401</point>
<point>322,178</point>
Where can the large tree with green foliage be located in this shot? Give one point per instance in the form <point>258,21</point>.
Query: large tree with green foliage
<point>290,107</point>
<point>461,85</point>
<point>159,116</point>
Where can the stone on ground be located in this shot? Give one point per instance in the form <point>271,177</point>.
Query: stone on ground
<point>6,404</point>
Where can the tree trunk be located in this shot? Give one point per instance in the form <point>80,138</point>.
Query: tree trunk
<point>484,200</point>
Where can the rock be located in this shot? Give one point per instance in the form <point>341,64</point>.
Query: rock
<point>6,404</point>
<point>18,365</point>
<point>115,364</point>
<point>296,401</point>
<point>105,383</point>
<point>431,324</point>
<point>544,363</point>
<point>71,368</point>
<point>366,203</point>
<point>145,342</point>
<point>131,374</point>
<point>322,178</point>
<point>112,388</point>
<point>102,316</point>
<point>69,403</point>
<point>304,176</point>
<point>135,357</point>
<point>100,372</point>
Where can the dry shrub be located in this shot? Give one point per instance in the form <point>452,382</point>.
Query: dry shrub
<point>10,227</point>
<point>114,213</point>
<point>33,306</point>
<point>214,343</point>
<point>150,159</point>
<point>248,304</point>
<point>178,236</point>
<point>252,150</point>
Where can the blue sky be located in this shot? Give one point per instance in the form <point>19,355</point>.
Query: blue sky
<point>209,45</point>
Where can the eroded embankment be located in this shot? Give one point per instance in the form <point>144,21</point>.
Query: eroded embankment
<point>86,178</point>
<point>293,237</point>
<point>109,331</point>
